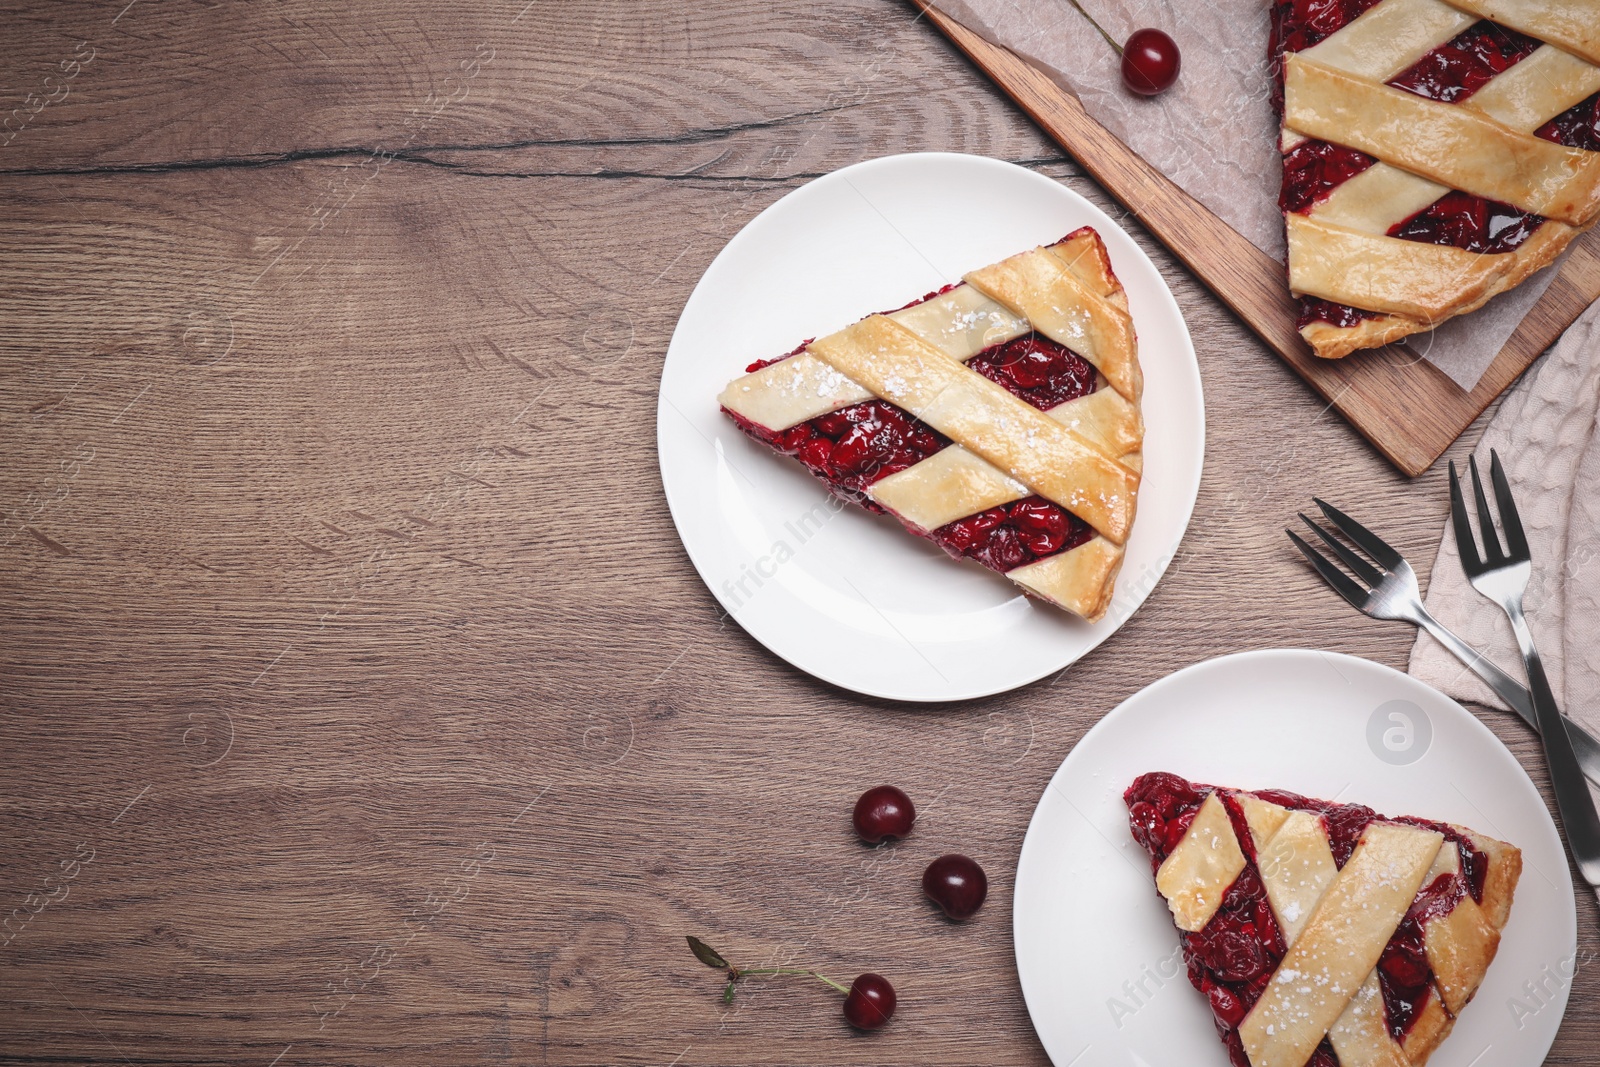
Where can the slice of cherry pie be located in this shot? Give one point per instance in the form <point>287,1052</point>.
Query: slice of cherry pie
<point>1436,153</point>
<point>998,417</point>
<point>1323,934</point>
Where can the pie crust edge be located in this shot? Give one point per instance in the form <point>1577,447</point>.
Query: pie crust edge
<point>1539,251</point>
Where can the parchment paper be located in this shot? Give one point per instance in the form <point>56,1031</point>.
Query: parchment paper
<point>1214,133</point>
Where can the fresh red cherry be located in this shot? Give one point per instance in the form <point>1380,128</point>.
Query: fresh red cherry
<point>884,812</point>
<point>957,884</point>
<point>870,1002</point>
<point>1150,62</point>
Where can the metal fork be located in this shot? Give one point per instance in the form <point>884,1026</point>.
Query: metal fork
<point>1501,574</point>
<point>1392,593</point>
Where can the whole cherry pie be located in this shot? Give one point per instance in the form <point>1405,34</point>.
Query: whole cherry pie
<point>998,417</point>
<point>1323,934</point>
<point>1436,153</point>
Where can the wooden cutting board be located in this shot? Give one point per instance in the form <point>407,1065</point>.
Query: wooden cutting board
<point>1407,408</point>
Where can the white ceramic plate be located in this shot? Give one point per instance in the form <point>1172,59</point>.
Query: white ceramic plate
<point>1096,949</point>
<point>848,596</point>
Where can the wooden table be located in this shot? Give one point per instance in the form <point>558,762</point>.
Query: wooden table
<point>360,703</point>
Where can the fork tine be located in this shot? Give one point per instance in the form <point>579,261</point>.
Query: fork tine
<point>1370,542</point>
<point>1353,593</point>
<point>1491,541</point>
<point>1510,521</point>
<point>1363,570</point>
<point>1466,546</point>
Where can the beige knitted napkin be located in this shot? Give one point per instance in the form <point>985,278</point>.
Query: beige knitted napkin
<point>1549,441</point>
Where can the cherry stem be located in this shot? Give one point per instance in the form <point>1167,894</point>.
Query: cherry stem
<point>1096,25</point>
<point>791,970</point>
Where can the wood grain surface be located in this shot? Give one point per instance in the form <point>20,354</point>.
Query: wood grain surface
<point>360,705</point>
<point>1408,408</point>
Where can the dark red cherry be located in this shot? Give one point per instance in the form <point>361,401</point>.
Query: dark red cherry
<point>1404,962</point>
<point>1043,526</point>
<point>884,813</point>
<point>1174,834</point>
<point>957,884</point>
<point>1231,948</point>
<point>1149,829</point>
<point>964,535</point>
<point>870,1003</point>
<point>791,439</point>
<point>1003,550</point>
<point>855,448</point>
<point>1032,366</point>
<point>816,452</point>
<point>1226,1005</point>
<point>1150,62</point>
<point>833,424</point>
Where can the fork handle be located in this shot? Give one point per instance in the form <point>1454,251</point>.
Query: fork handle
<point>1584,744</point>
<point>1578,815</point>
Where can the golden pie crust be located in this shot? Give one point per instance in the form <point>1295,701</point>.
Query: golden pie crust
<point>1084,455</point>
<point>1339,249</point>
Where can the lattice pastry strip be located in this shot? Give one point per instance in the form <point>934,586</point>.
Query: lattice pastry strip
<point>1432,133</point>
<point>1324,934</point>
<point>1458,147</point>
<point>1001,418</point>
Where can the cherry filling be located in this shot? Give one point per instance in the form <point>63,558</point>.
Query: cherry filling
<point>1160,808</point>
<point>1465,63</point>
<point>1474,864</point>
<point>1299,24</point>
<point>1315,309</point>
<point>1042,373</point>
<point>1405,977</point>
<point>1404,973</point>
<point>1576,127</point>
<point>1232,959</point>
<point>854,447</point>
<point>1236,953</point>
<point>1012,535</point>
<point>1344,822</point>
<point>1469,222</point>
<point>1451,73</point>
<point>1313,169</point>
<point>1036,369</point>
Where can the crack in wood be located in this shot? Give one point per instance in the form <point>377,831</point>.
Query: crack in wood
<point>426,155</point>
<point>421,153</point>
